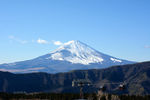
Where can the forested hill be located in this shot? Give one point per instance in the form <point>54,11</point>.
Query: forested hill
<point>135,76</point>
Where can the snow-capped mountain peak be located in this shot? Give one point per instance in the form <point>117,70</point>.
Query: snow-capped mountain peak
<point>73,55</point>
<point>76,52</point>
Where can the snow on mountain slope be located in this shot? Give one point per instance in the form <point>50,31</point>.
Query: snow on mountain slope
<point>79,53</point>
<point>76,52</point>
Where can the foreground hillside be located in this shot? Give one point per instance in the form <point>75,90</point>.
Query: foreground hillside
<point>135,76</point>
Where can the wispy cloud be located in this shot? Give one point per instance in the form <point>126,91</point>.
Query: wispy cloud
<point>57,43</point>
<point>147,46</point>
<point>41,41</point>
<point>13,38</point>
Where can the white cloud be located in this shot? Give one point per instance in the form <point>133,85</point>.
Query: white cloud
<point>57,43</point>
<point>41,41</point>
<point>13,38</point>
<point>147,46</point>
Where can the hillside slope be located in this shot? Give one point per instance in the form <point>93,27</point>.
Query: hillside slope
<point>136,77</point>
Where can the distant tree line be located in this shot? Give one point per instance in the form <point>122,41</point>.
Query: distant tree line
<point>45,96</point>
<point>67,96</point>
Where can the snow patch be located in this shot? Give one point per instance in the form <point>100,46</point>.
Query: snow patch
<point>115,60</point>
<point>57,56</point>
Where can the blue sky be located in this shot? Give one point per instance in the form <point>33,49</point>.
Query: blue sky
<point>29,28</point>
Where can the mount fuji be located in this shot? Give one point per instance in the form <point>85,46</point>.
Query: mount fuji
<point>73,55</point>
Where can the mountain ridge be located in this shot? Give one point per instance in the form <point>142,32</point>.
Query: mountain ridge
<point>136,76</point>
